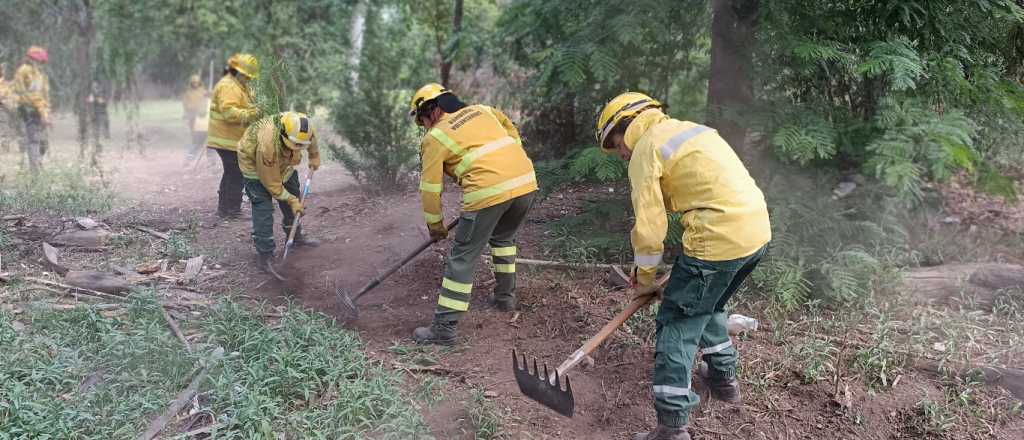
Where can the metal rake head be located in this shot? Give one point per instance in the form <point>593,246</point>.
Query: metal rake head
<point>542,388</point>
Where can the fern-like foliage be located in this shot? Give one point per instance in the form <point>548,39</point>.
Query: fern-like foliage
<point>895,60</point>
<point>594,165</point>
<point>804,141</point>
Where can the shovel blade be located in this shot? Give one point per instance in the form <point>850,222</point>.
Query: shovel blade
<point>537,386</point>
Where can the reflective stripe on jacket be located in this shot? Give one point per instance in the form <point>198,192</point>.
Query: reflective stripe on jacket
<point>231,110</point>
<point>32,88</point>
<point>263,156</point>
<point>680,166</point>
<point>481,149</point>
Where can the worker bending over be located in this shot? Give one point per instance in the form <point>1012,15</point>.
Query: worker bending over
<point>479,147</point>
<point>268,153</point>
<point>680,166</point>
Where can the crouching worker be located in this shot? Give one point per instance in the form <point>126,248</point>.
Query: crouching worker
<point>684,167</point>
<point>268,153</point>
<point>480,148</point>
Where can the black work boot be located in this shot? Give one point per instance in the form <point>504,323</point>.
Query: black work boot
<point>301,240</point>
<point>662,432</point>
<point>504,303</point>
<point>723,388</point>
<point>439,333</point>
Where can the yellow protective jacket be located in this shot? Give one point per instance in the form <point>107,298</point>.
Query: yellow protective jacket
<point>680,166</point>
<point>32,88</point>
<point>481,149</point>
<point>193,99</point>
<point>7,98</point>
<point>263,156</point>
<point>231,110</point>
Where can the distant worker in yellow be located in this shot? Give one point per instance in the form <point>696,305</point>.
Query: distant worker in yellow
<point>231,110</point>
<point>31,87</point>
<point>8,107</point>
<point>268,153</point>
<point>194,106</point>
<point>481,150</point>
<point>681,166</point>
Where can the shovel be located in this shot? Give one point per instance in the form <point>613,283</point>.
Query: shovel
<point>295,225</point>
<point>350,301</point>
<point>547,389</point>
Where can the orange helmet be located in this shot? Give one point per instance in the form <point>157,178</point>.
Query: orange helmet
<point>37,54</point>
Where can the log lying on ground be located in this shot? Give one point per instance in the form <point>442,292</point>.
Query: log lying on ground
<point>98,281</point>
<point>981,282</point>
<point>92,238</point>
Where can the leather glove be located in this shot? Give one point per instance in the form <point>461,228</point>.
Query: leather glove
<point>296,205</point>
<point>437,231</point>
<point>314,164</point>
<point>640,282</point>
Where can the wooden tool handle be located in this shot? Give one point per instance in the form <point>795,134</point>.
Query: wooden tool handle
<point>611,326</point>
<point>302,199</point>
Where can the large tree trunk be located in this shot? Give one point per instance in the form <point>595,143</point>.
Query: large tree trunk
<point>447,56</point>
<point>730,87</point>
<point>979,283</point>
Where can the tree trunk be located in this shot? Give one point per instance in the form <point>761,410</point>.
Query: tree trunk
<point>730,87</point>
<point>357,26</point>
<point>83,64</point>
<point>980,284</point>
<point>447,56</point>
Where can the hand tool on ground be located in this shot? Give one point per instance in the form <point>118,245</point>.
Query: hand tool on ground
<point>349,301</point>
<point>547,389</point>
<point>295,223</point>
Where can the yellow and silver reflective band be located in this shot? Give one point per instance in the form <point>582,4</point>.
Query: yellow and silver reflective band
<point>285,195</point>
<point>448,143</point>
<point>668,390</point>
<point>717,348</point>
<point>673,143</point>
<point>456,286</point>
<point>493,190</point>
<point>647,260</point>
<point>252,176</point>
<point>468,159</point>
<point>608,125</point>
<point>432,218</point>
<point>453,304</point>
<point>505,268</point>
<point>216,115</point>
<point>221,141</point>
<point>431,187</point>
<point>507,251</point>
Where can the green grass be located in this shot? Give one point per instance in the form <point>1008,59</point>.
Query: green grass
<point>62,190</point>
<point>301,377</point>
<point>482,419</point>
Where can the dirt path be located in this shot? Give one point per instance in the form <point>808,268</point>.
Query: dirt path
<point>362,235</point>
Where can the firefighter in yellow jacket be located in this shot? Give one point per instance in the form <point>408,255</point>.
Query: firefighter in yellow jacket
<point>193,103</point>
<point>32,89</point>
<point>8,106</point>
<point>231,111</point>
<point>680,166</point>
<point>481,150</point>
<point>268,153</point>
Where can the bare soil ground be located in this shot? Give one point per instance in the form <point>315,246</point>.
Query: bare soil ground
<point>558,310</point>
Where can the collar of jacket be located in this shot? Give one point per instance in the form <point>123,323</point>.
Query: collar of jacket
<point>641,123</point>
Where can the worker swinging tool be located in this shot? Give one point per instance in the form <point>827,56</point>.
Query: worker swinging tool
<point>481,149</point>
<point>684,167</point>
<point>268,153</point>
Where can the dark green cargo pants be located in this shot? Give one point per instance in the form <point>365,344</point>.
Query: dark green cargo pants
<point>496,225</point>
<point>692,316</point>
<point>263,212</point>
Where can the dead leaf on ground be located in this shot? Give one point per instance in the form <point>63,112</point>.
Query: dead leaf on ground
<point>149,267</point>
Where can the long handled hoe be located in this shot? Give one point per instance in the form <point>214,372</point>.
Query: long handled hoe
<point>349,301</point>
<point>295,223</point>
<point>547,388</point>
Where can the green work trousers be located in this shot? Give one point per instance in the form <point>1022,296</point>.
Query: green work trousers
<point>263,212</point>
<point>495,225</point>
<point>691,317</point>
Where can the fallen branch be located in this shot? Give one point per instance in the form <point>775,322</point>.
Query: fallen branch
<point>74,289</point>
<point>10,218</point>
<point>158,424</point>
<point>152,232</point>
<point>176,329</point>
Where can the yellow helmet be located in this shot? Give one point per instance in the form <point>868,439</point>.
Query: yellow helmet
<point>194,80</point>
<point>297,129</point>
<point>624,106</point>
<point>246,64</point>
<point>426,93</point>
